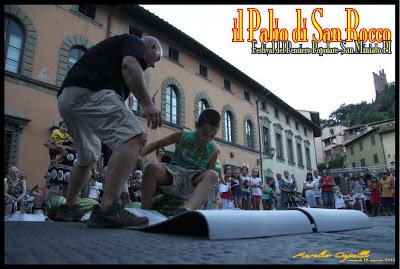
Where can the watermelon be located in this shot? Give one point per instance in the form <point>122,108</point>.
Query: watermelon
<point>135,205</point>
<point>86,204</point>
<point>53,204</point>
<point>167,204</point>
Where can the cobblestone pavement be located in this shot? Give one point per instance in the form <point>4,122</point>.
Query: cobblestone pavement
<point>74,243</point>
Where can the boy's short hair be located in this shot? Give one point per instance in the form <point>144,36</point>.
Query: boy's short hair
<point>209,116</point>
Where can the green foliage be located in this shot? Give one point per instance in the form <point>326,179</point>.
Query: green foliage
<point>336,162</point>
<point>383,108</point>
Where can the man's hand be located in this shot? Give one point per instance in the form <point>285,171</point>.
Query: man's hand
<point>153,116</point>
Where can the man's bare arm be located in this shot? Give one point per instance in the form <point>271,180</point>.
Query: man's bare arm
<point>168,140</point>
<point>134,79</point>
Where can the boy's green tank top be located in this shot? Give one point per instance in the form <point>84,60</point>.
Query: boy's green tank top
<point>190,154</point>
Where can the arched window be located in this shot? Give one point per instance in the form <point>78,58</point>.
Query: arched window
<point>13,39</point>
<point>228,126</point>
<point>203,104</point>
<point>249,134</point>
<point>171,105</point>
<point>75,53</point>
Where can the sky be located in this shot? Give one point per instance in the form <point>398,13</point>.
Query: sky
<point>305,82</point>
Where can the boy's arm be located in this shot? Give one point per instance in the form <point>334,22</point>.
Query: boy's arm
<point>213,161</point>
<point>168,140</point>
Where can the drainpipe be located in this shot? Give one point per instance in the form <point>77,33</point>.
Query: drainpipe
<point>114,9</point>
<point>383,149</point>
<point>259,142</point>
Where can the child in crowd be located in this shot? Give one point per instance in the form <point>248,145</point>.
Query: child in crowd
<point>225,188</point>
<point>236,188</point>
<point>339,198</point>
<point>190,174</point>
<point>256,187</point>
<point>375,198</point>
<point>267,194</point>
<point>246,191</point>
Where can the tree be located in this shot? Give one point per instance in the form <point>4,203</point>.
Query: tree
<point>382,108</point>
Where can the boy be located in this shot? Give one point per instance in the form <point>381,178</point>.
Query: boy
<point>190,173</point>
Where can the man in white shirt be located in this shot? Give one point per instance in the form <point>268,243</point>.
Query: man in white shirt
<point>278,191</point>
<point>317,191</point>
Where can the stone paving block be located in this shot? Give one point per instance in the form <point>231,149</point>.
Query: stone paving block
<point>71,243</point>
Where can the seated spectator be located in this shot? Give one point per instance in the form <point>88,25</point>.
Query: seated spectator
<point>36,191</point>
<point>94,191</point>
<point>14,191</point>
<point>136,186</point>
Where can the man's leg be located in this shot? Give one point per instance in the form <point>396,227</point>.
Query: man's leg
<point>204,183</point>
<point>154,174</point>
<point>80,176</point>
<point>122,162</point>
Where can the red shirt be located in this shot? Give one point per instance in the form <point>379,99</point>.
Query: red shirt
<point>228,194</point>
<point>326,180</point>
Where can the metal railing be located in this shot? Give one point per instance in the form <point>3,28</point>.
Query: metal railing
<point>372,169</point>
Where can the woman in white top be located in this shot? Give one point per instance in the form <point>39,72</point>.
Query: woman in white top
<point>309,187</point>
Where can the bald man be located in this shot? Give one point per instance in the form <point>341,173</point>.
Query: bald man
<point>91,102</point>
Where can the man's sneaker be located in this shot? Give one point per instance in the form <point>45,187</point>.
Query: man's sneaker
<point>66,213</point>
<point>116,217</point>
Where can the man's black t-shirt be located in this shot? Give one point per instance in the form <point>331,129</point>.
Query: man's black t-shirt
<point>100,67</point>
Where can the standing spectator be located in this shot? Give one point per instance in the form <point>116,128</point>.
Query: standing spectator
<point>295,183</point>
<point>213,196</point>
<point>309,187</point>
<point>317,191</point>
<point>339,198</point>
<point>53,149</point>
<point>375,199</point>
<point>287,186</point>
<point>367,194</point>
<point>14,191</point>
<point>267,194</point>
<point>246,191</point>
<point>225,187</point>
<point>367,176</point>
<point>60,168</point>
<point>277,193</point>
<point>327,183</point>
<point>357,187</point>
<point>387,184</point>
<point>236,188</point>
<point>256,187</point>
